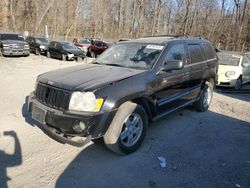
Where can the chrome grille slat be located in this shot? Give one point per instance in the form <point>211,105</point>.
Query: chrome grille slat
<point>52,96</point>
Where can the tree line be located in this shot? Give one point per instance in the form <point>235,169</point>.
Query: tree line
<point>226,23</point>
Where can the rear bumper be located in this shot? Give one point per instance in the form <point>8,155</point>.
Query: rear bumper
<point>61,125</point>
<point>16,52</point>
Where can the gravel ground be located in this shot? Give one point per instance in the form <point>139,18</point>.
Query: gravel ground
<point>210,149</point>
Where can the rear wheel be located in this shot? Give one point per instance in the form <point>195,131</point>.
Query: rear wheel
<point>205,99</point>
<point>127,130</point>
<point>63,57</point>
<point>48,54</point>
<point>238,83</point>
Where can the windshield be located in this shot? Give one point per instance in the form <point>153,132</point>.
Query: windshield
<point>131,55</point>
<point>11,37</point>
<point>69,46</point>
<point>42,40</point>
<point>229,59</point>
<point>84,41</point>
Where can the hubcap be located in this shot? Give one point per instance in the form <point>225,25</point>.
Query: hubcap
<point>132,130</point>
<point>207,97</point>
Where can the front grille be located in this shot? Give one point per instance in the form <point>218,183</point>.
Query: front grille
<point>16,46</point>
<point>52,97</point>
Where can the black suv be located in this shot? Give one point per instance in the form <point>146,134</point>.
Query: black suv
<point>38,45</point>
<point>129,85</point>
<point>65,51</point>
<point>12,44</point>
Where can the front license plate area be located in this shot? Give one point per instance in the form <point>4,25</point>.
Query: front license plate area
<point>38,114</point>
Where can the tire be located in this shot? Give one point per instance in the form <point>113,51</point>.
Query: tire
<point>48,54</point>
<point>63,57</point>
<point>37,52</point>
<point>205,99</point>
<point>92,54</point>
<point>238,84</point>
<point>127,129</point>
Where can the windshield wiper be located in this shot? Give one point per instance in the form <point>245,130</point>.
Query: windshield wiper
<point>113,64</point>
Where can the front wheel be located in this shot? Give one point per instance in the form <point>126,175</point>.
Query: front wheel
<point>63,57</point>
<point>238,83</point>
<point>37,52</point>
<point>205,99</point>
<point>127,130</point>
<point>92,54</point>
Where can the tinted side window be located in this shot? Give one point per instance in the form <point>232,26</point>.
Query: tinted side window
<point>176,52</point>
<point>245,60</point>
<point>58,46</point>
<point>51,45</point>
<point>196,53</point>
<point>98,44</point>
<point>209,51</point>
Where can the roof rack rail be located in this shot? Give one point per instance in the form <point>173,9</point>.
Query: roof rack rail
<point>176,36</point>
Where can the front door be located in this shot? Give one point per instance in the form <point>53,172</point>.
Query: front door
<point>172,85</point>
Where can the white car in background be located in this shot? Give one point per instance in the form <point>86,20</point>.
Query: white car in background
<point>234,69</point>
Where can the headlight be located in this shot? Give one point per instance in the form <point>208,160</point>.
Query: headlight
<point>230,73</point>
<point>42,46</point>
<point>6,45</point>
<point>85,101</point>
<point>70,55</point>
<point>26,46</point>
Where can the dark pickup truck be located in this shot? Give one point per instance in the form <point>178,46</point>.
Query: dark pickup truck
<point>13,45</point>
<point>129,85</point>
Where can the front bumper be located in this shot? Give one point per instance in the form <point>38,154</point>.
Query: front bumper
<point>59,124</point>
<point>75,57</point>
<point>226,82</point>
<point>16,52</point>
<point>43,51</point>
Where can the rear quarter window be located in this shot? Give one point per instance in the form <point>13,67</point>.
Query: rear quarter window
<point>196,54</point>
<point>209,51</point>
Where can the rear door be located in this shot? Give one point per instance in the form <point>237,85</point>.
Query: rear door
<point>199,70</point>
<point>58,50</point>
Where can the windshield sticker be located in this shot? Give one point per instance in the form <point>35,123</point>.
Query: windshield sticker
<point>154,47</point>
<point>235,56</point>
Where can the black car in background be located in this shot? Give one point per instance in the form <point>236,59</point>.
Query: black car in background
<point>12,44</point>
<point>65,51</point>
<point>38,45</point>
<point>129,85</point>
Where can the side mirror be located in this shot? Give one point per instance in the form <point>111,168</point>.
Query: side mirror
<point>172,65</point>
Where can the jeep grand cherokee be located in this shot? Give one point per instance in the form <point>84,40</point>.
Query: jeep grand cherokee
<point>129,85</point>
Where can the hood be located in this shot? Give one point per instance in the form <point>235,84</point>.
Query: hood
<point>13,42</point>
<point>87,77</point>
<point>74,51</point>
<point>225,68</point>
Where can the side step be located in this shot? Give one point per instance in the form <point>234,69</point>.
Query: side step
<point>172,110</point>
